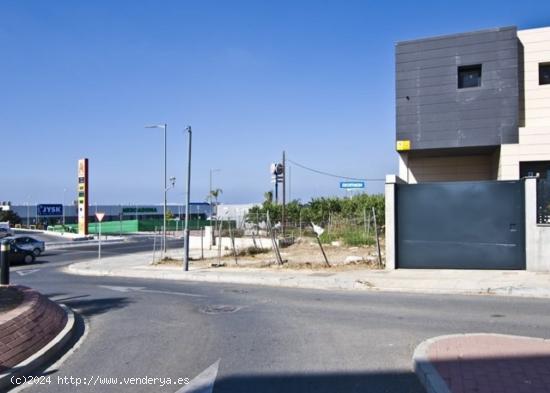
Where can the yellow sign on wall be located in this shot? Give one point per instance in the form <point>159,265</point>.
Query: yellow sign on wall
<point>403,145</point>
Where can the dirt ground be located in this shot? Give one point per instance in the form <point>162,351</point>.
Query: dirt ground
<point>303,254</point>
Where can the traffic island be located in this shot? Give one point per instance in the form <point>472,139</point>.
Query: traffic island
<point>33,331</point>
<point>483,363</point>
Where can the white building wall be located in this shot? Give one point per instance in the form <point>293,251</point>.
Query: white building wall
<point>534,117</point>
<point>447,168</point>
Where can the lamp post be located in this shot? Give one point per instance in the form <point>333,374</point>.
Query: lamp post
<point>187,201</point>
<point>28,211</point>
<point>63,207</point>
<point>164,127</point>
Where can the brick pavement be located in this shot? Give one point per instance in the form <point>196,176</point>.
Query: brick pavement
<point>27,328</point>
<point>491,363</point>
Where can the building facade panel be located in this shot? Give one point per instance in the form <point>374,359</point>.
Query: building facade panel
<point>434,63</point>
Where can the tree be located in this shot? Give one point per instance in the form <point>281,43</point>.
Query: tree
<point>214,195</point>
<point>11,216</point>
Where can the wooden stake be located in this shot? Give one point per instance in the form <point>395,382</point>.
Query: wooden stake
<point>377,239</point>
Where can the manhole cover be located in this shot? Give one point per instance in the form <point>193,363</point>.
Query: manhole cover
<point>497,316</point>
<point>218,309</point>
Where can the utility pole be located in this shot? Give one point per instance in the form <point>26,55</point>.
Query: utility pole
<point>290,183</point>
<point>283,212</point>
<point>186,231</point>
<point>165,197</point>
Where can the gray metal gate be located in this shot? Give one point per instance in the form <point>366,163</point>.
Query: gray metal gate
<point>461,225</point>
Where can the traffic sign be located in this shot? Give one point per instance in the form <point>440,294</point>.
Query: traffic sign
<point>49,210</point>
<point>99,216</point>
<point>352,184</point>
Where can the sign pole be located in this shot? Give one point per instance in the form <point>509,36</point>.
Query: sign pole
<point>99,249</point>
<point>99,216</point>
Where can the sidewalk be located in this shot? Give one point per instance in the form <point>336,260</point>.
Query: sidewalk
<point>510,283</point>
<point>483,363</point>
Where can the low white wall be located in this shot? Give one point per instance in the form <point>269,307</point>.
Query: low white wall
<point>240,242</point>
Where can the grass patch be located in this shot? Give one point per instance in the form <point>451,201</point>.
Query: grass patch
<point>349,237</point>
<point>251,251</point>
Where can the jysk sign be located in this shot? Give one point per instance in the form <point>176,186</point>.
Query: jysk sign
<point>352,184</point>
<point>49,210</point>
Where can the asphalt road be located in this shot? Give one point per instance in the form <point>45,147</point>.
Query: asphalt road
<point>265,339</point>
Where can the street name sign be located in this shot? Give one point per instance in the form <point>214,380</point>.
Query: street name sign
<point>352,184</point>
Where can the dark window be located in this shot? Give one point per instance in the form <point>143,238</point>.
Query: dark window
<point>534,168</point>
<point>544,74</point>
<point>469,76</point>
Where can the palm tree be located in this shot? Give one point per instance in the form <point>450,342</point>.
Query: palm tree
<point>214,194</point>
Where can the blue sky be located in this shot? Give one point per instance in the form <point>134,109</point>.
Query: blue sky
<point>316,78</point>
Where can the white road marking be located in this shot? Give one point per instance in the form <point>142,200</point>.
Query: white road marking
<point>121,289</point>
<point>143,289</point>
<point>26,272</point>
<point>204,382</point>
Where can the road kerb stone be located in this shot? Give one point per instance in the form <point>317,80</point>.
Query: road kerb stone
<point>451,363</point>
<point>425,371</point>
<point>43,356</point>
<point>374,281</point>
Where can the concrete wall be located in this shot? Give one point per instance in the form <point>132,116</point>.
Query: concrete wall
<point>433,113</point>
<point>448,168</point>
<point>390,223</point>
<point>534,107</point>
<point>537,237</point>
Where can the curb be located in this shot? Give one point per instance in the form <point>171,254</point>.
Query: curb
<point>43,356</point>
<point>425,371</point>
<point>331,283</point>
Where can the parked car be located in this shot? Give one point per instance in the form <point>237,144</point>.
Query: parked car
<point>19,255</point>
<point>4,232</point>
<point>29,243</point>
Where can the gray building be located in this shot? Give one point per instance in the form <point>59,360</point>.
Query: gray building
<point>474,106</point>
<point>472,121</point>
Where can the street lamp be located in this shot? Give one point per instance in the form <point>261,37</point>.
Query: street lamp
<point>164,127</point>
<point>187,201</point>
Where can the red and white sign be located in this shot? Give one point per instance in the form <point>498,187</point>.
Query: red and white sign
<point>99,216</point>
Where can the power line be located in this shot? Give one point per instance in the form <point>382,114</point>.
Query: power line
<point>331,174</point>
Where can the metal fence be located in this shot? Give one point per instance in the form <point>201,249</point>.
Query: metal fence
<point>350,230</point>
<point>543,201</point>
